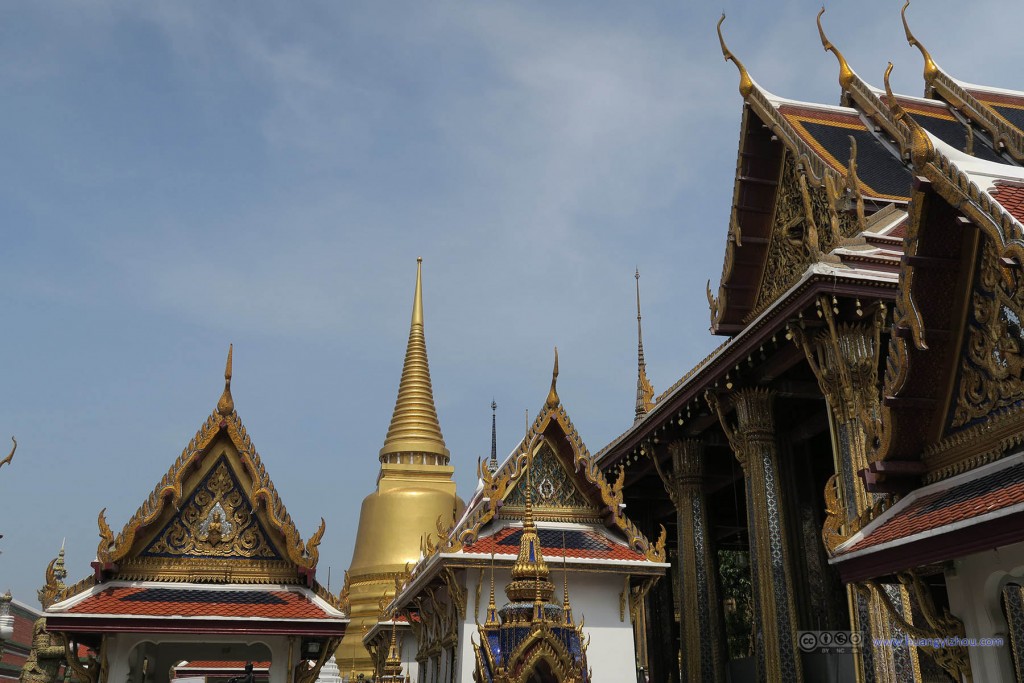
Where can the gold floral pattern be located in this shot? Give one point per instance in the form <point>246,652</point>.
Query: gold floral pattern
<point>216,521</point>
<point>551,486</point>
<point>992,364</point>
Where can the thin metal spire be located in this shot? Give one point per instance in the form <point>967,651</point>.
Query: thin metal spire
<point>644,389</point>
<point>493,465</point>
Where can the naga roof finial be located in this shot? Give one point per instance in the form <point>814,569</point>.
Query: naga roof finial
<point>846,74</point>
<point>920,145</point>
<point>644,389</point>
<point>226,404</point>
<point>930,67</point>
<point>10,456</point>
<point>553,394</point>
<point>746,82</point>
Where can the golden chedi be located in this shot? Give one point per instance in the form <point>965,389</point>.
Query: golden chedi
<point>414,490</point>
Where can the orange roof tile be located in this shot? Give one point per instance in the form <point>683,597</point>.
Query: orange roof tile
<point>962,502</point>
<point>1011,196</point>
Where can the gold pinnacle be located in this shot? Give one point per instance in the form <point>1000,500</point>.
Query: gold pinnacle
<point>414,426</point>
<point>226,404</point>
<point>553,394</point>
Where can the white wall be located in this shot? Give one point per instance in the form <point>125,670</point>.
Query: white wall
<point>975,586</point>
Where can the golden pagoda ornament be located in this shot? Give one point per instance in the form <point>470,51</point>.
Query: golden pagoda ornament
<point>415,493</point>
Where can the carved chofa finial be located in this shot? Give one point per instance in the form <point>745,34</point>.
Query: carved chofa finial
<point>10,456</point>
<point>746,82</point>
<point>930,67</point>
<point>226,404</point>
<point>644,389</point>
<point>846,74</point>
<point>553,399</point>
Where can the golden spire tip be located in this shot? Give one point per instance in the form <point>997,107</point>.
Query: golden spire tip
<point>226,404</point>
<point>553,394</point>
<point>746,82</point>
<point>930,67</point>
<point>414,426</point>
<point>846,74</point>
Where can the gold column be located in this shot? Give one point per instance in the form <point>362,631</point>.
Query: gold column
<point>702,652</point>
<point>753,442</point>
<point>844,358</point>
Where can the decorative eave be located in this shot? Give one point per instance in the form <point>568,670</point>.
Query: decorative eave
<point>169,493</point>
<point>287,609</point>
<point>862,95</point>
<point>382,629</point>
<point>963,184</point>
<point>710,371</point>
<point>1004,135</point>
<point>494,487</point>
<point>964,514</point>
<point>298,559</point>
<point>734,306</point>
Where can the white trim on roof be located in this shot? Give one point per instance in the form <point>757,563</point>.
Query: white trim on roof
<point>913,496</point>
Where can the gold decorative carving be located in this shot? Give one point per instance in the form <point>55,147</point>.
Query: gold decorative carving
<point>456,592</point>
<point>991,376</point>
<point>216,521</point>
<point>1003,134</point>
<point>10,456</point>
<point>87,672</point>
<point>54,586</point>
<point>952,658</point>
<point>304,673</point>
<point>807,225</point>
<point>261,495</point>
<point>836,528</point>
<point>844,358</point>
<point>607,496</point>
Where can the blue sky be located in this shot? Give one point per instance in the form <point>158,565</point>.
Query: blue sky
<point>180,176</point>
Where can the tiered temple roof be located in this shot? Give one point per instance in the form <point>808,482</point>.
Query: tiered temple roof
<point>213,549</point>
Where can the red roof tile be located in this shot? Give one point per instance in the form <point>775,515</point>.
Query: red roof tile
<point>579,543</point>
<point>1011,196</point>
<point>221,664</point>
<point>969,499</point>
<point>185,602</point>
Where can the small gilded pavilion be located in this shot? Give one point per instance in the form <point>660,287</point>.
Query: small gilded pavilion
<point>548,498</point>
<point>210,568</point>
